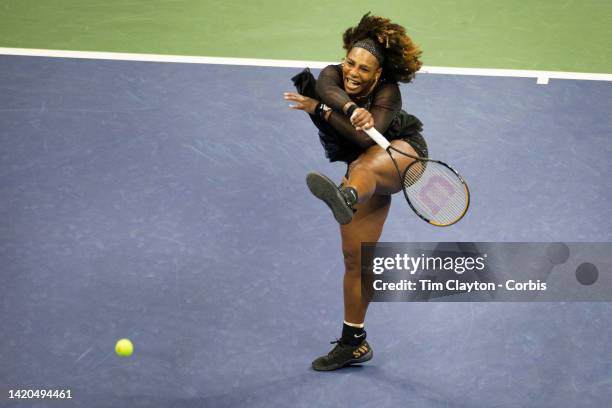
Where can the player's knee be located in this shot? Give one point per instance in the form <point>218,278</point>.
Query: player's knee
<point>374,168</point>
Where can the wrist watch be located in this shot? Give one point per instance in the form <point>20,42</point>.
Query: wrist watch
<point>324,110</point>
<point>321,110</point>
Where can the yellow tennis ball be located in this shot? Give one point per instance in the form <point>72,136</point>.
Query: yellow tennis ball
<point>124,348</point>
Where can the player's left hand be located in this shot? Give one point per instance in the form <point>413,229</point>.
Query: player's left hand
<point>301,102</point>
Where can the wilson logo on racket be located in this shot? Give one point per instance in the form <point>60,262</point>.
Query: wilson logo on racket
<point>436,194</point>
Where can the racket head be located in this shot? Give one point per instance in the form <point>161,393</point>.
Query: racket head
<point>435,192</point>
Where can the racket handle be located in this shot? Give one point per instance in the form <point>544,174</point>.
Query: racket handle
<point>376,136</point>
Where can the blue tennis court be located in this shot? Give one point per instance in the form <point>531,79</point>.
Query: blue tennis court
<point>166,203</point>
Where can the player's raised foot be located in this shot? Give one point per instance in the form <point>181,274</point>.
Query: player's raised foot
<point>343,355</point>
<point>339,200</point>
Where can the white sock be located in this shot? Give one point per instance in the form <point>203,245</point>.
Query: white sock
<point>356,325</point>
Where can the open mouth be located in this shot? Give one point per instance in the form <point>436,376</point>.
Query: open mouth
<point>351,84</point>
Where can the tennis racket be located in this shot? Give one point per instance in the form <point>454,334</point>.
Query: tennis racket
<point>434,190</point>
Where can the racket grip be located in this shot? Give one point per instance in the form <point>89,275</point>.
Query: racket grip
<point>376,136</point>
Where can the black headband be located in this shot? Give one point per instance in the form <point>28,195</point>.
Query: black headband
<point>372,46</point>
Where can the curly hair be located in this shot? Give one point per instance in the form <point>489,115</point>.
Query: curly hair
<point>401,60</point>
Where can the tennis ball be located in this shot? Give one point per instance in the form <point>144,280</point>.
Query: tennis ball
<point>124,348</point>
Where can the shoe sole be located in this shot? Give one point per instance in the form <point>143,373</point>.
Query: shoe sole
<point>366,357</point>
<point>325,189</point>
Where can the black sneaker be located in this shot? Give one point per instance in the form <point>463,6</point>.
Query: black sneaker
<point>339,200</point>
<point>343,355</point>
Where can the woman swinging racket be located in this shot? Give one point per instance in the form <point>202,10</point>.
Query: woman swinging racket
<point>358,94</point>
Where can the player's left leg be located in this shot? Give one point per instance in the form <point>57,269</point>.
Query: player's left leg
<point>372,173</point>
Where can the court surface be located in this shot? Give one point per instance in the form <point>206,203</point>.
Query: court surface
<point>166,203</point>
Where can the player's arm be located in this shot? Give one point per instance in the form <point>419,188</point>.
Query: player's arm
<point>330,90</point>
<point>386,104</point>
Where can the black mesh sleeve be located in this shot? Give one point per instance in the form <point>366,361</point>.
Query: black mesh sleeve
<point>330,90</point>
<point>387,101</point>
<point>386,104</point>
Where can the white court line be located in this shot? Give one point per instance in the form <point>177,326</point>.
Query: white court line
<point>543,80</point>
<point>542,76</point>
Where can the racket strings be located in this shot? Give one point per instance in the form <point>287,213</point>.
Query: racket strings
<point>435,192</point>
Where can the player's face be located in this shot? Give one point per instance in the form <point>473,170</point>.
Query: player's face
<point>360,70</point>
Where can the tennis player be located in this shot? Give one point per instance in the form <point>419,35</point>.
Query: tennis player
<point>357,94</point>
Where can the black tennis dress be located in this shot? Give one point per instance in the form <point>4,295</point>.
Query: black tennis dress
<point>338,136</point>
